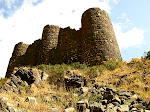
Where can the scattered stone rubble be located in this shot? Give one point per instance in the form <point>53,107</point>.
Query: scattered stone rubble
<point>23,77</point>
<point>74,80</point>
<point>95,98</point>
<point>112,100</point>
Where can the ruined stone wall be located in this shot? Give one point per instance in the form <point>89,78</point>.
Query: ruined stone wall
<point>69,45</point>
<point>98,39</point>
<point>94,43</point>
<point>31,56</point>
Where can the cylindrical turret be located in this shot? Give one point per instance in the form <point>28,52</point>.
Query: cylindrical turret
<point>16,59</point>
<point>49,41</point>
<point>19,49</point>
<point>98,38</point>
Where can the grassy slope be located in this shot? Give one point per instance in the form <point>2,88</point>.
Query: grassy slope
<point>134,76</point>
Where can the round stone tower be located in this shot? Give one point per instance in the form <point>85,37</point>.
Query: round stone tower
<point>49,41</point>
<point>17,59</point>
<point>99,43</point>
<point>19,49</point>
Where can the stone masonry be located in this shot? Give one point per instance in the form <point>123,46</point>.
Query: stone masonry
<point>93,44</point>
<point>98,39</point>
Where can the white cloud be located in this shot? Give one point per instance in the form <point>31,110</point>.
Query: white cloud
<point>1,12</point>
<point>127,34</point>
<point>27,23</point>
<point>9,3</point>
<point>130,38</point>
<point>114,1</point>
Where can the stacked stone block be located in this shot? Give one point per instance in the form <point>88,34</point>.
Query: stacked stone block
<point>32,54</point>
<point>98,39</point>
<point>69,45</point>
<point>49,41</point>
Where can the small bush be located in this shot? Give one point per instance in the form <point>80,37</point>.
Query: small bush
<point>56,72</point>
<point>77,65</point>
<point>94,71</point>
<point>25,88</point>
<point>112,64</point>
<point>95,98</point>
<point>147,55</point>
<point>3,81</point>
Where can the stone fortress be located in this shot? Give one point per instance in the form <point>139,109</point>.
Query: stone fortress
<point>93,44</point>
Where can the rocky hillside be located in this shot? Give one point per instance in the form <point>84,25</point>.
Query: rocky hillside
<point>115,86</point>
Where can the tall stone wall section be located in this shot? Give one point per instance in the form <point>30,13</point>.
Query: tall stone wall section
<point>98,39</point>
<point>69,45</point>
<point>94,43</point>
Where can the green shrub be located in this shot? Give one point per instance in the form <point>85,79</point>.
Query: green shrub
<point>112,64</point>
<point>25,88</point>
<point>95,98</point>
<point>101,68</point>
<point>56,72</point>
<point>3,81</point>
<point>77,65</point>
<point>148,55</point>
<point>92,72</point>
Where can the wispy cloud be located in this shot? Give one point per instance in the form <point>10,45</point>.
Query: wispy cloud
<point>127,34</point>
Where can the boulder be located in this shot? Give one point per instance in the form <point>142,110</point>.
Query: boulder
<point>73,79</point>
<point>96,107</point>
<point>3,103</point>
<point>10,109</point>
<point>71,109</point>
<point>31,100</point>
<point>24,77</point>
<point>55,109</point>
<point>82,105</point>
<point>44,76</point>
<point>84,90</point>
<point>5,106</point>
<point>124,108</point>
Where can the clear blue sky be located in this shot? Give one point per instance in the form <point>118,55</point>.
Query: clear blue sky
<point>23,21</point>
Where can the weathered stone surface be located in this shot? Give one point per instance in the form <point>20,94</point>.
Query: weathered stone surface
<point>23,77</point>
<point>55,109</point>
<point>125,108</point>
<point>96,107</point>
<point>82,105</point>
<point>31,100</point>
<point>112,100</point>
<point>74,80</point>
<point>71,109</point>
<point>5,106</point>
<point>3,102</point>
<point>94,43</point>
<point>98,39</point>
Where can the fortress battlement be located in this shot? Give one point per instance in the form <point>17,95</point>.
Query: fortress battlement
<point>93,44</point>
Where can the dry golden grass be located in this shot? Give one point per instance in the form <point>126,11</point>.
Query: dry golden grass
<point>136,77</point>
